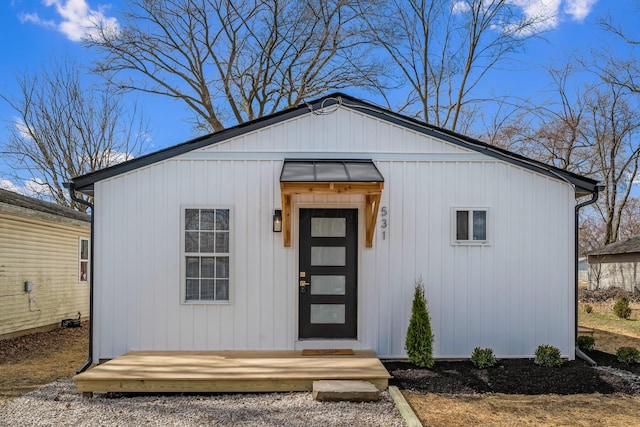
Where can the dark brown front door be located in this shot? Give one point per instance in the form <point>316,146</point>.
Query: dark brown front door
<point>327,287</point>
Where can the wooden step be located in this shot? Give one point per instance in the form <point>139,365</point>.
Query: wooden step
<point>351,390</point>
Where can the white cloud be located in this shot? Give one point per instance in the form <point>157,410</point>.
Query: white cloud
<point>36,186</point>
<point>114,157</point>
<point>30,187</point>
<point>460,6</point>
<point>579,9</point>
<point>76,20</point>
<point>544,14</point>
<point>35,19</point>
<point>107,158</point>
<point>549,14</point>
<point>22,128</point>
<point>7,184</point>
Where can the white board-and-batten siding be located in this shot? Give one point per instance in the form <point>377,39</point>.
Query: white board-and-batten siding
<point>512,294</point>
<point>44,250</point>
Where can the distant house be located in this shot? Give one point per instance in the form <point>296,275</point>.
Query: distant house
<point>583,270</point>
<point>307,229</point>
<point>44,264</point>
<point>616,265</point>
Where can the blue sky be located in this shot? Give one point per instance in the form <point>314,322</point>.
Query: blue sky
<point>34,30</point>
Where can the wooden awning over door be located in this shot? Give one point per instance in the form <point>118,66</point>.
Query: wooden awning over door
<point>331,176</point>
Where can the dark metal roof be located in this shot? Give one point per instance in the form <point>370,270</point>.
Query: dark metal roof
<point>583,184</point>
<point>329,170</point>
<point>15,199</point>
<point>631,245</point>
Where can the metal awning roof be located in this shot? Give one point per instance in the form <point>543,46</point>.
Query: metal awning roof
<point>331,176</point>
<point>330,170</point>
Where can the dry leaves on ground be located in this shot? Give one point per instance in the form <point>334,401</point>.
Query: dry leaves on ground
<point>31,361</point>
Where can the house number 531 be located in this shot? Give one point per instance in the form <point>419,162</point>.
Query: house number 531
<point>384,224</point>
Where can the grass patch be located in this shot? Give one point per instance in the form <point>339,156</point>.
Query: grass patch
<point>543,410</point>
<point>611,332</point>
<point>610,322</point>
<point>603,317</point>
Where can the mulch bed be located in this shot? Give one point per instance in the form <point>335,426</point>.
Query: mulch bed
<point>512,376</point>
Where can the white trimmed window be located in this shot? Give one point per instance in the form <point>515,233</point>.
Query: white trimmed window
<point>206,254</point>
<point>83,257</point>
<point>470,226</point>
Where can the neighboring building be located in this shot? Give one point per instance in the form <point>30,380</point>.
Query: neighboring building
<point>44,264</point>
<point>583,271</point>
<point>616,266</point>
<point>188,255</point>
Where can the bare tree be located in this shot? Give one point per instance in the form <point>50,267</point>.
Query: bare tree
<point>590,232</point>
<point>591,130</point>
<point>615,119</point>
<point>64,129</point>
<point>552,131</point>
<point>622,70</point>
<point>630,220</point>
<point>443,49</point>
<point>231,61</point>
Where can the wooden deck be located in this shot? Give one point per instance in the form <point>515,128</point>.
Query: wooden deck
<point>228,371</point>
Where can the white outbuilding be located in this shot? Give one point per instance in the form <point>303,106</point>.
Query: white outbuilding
<point>309,228</point>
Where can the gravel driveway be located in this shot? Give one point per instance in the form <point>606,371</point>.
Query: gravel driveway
<point>58,404</point>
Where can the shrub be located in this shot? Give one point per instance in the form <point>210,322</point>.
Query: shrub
<point>586,342</point>
<point>548,356</point>
<point>588,308</point>
<point>628,355</point>
<point>483,358</point>
<point>419,341</point>
<point>621,308</point>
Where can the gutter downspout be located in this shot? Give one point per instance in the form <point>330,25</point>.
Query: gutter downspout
<point>72,192</point>
<point>593,199</point>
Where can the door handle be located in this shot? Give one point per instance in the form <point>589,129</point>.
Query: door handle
<point>303,286</point>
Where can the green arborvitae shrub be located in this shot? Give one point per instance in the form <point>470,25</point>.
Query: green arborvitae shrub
<point>621,308</point>
<point>548,355</point>
<point>628,355</point>
<point>483,358</point>
<point>586,342</point>
<point>588,309</point>
<point>419,341</point>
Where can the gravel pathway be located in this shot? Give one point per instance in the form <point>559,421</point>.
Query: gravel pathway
<point>632,379</point>
<point>58,404</point>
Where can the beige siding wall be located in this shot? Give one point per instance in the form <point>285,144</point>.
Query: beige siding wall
<point>42,249</point>
<point>615,271</point>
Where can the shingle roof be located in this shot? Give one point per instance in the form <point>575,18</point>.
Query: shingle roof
<point>15,199</point>
<point>628,246</point>
<point>582,184</point>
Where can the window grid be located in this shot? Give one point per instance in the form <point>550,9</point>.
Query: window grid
<point>207,255</point>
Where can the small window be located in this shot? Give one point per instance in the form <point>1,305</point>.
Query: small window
<point>206,255</point>
<point>470,226</point>
<point>83,274</point>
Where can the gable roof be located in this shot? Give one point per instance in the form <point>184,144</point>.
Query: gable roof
<point>15,199</point>
<point>583,185</point>
<point>631,245</point>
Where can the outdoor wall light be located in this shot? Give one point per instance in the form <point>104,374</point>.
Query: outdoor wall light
<point>277,221</point>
